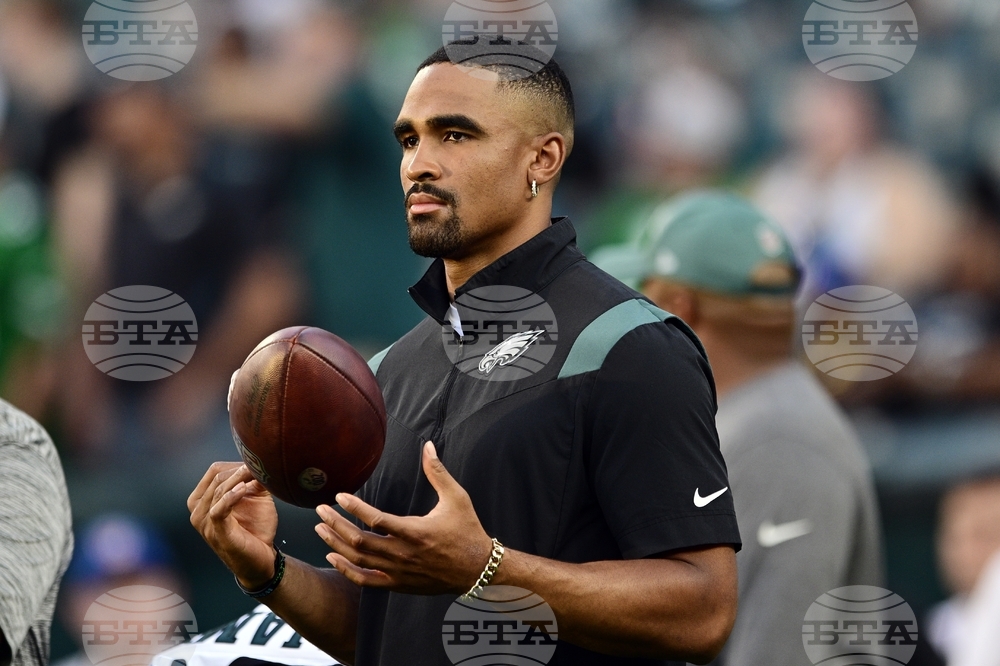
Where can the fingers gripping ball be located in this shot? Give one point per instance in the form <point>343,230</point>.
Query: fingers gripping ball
<point>307,416</point>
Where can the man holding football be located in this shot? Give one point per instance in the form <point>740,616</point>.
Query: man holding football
<point>596,483</point>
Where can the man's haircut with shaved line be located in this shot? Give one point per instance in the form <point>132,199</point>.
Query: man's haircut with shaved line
<point>549,84</point>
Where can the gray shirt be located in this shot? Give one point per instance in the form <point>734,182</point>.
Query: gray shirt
<point>806,507</point>
<point>36,541</point>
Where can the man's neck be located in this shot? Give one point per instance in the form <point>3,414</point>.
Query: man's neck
<point>732,368</point>
<point>459,271</point>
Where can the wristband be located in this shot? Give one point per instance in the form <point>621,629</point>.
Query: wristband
<point>279,573</point>
<point>487,576</point>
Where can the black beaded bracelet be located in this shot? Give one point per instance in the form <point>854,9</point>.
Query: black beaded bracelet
<point>279,573</point>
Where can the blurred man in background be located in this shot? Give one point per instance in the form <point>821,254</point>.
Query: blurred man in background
<point>980,644</point>
<point>42,118</point>
<point>959,360</point>
<point>51,84</point>
<point>36,539</point>
<point>857,209</point>
<point>800,480</point>
<point>288,83</point>
<point>968,538</point>
<point>680,129</point>
<point>170,216</point>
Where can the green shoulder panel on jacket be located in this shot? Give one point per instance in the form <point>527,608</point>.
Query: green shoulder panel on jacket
<point>377,359</point>
<point>596,341</point>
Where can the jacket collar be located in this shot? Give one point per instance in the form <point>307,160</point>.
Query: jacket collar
<point>532,265</point>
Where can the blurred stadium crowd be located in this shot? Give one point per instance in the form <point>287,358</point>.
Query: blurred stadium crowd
<point>261,184</point>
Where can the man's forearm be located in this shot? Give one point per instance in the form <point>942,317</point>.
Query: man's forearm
<point>681,607</point>
<point>321,605</point>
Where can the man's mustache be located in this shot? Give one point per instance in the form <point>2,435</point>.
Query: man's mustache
<point>426,188</point>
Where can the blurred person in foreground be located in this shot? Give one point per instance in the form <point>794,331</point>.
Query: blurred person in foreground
<point>857,209</point>
<point>36,539</point>
<point>963,628</point>
<point>112,551</point>
<point>801,483</point>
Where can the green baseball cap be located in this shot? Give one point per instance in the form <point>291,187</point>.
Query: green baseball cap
<point>711,240</point>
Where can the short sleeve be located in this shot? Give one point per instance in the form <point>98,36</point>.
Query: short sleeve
<point>653,456</point>
<point>33,536</point>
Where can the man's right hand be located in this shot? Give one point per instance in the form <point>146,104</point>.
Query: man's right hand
<point>236,516</point>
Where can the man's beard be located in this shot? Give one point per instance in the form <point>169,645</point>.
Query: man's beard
<point>429,238</point>
<point>436,239</point>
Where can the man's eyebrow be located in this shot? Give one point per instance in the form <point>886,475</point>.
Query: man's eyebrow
<point>456,121</point>
<point>402,127</point>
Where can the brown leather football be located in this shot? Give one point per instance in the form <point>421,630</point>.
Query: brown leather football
<point>307,416</point>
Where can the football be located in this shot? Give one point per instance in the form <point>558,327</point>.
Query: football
<point>307,416</point>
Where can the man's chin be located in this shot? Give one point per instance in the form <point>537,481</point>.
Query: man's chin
<point>434,238</point>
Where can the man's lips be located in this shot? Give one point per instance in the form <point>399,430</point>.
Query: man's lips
<point>420,203</point>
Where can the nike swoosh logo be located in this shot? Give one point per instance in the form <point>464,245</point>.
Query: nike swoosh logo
<point>770,535</point>
<point>700,501</point>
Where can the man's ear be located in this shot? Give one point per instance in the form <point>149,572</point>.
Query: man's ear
<point>550,152</point>
<point>675,299</point>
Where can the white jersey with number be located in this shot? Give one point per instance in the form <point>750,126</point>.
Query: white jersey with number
<point>255,638</point>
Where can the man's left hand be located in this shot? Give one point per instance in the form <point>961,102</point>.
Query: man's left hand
<point>440,553</point>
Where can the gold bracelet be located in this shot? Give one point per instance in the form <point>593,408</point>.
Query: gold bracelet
<point>491,568</point>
